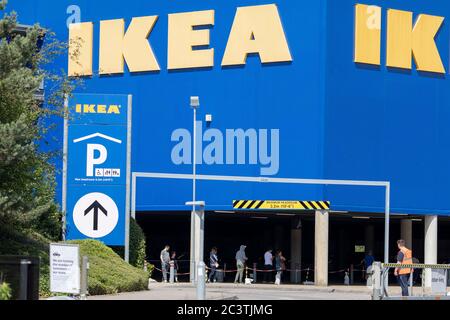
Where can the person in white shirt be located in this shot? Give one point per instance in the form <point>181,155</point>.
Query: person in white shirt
<point>268,266</point>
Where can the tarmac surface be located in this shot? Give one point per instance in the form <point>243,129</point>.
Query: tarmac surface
<point>185,291</point>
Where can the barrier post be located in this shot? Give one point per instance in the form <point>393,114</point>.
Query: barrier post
<point>201,281</point>
<point>84,277</point>
<point>224,271</point>
<point>24,263</point>
<point>411,283</point>
<point>172,272</point>
<point>352,278</point>
<point>254,272</point>
<point>377,281</point>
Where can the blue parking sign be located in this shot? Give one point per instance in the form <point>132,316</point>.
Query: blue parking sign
<point>97,168</point>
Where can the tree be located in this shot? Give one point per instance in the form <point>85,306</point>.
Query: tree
<point>27,174</point>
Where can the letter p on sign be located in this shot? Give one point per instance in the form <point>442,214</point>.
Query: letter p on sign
<point>92,160</point>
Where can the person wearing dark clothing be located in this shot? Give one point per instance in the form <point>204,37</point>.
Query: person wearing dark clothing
<point>165,261</point>
<point>213,264</point>
<point>404,256</point>
<point>175,265</point>
<point>280,266</point>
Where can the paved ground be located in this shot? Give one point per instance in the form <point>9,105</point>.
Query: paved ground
<point>160,291</point>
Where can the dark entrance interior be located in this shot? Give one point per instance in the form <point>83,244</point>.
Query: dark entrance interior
<point>259,231</point>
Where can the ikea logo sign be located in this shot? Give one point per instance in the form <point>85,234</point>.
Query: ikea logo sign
<point>255,30</point>
<point>97,109</point>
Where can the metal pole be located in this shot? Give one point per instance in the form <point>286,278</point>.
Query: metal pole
<point>172,272</point>
<point>84,277</point>
<point>194,164</point>
<point>201,292</point>
<point>192,255</point>
<point>386,231</point>
<point>352,276</point>
<point>128,177</point>
<point>193,216</point>
<point>387,224</point>
<point>24,279</point>
<point>411,284</point>
<point>65,155</point>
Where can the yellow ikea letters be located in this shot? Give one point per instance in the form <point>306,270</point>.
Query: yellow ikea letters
<point>404,40</point>
<point>133,46</point>
<point>256,29</point>
<point>183,38</point>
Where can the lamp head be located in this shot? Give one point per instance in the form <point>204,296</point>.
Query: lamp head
<point>195,102</point>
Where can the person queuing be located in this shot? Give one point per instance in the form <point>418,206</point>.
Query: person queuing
<point>241,258</point>
<point>173,258</point>
<point>280,265</point>
<point>404,256</point>
<point>165,262</point>
<point>268,266</point>
<point>213,264</point>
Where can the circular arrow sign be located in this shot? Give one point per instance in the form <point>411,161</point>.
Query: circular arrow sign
<point>96,215</point>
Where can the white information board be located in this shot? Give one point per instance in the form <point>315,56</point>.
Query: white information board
<point>64,268</point>
<point>438,281</point>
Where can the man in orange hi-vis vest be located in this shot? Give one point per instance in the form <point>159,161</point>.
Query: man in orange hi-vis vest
<point>404,256</point>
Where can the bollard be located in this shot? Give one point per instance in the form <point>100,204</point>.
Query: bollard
<point>224,271</point>
<point>411,284</point>
<point>346,279</point>
<point>145,266</point>
<point>201,291</point>
<point>172,272</point>
<point>254,272</point>
<point>84,278</point>
<point>23,295</point>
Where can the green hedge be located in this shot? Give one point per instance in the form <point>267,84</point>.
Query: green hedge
<point>137,246</point>
<point>108,273</point>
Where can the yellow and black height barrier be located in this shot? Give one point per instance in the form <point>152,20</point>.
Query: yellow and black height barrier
<point>280,205</point>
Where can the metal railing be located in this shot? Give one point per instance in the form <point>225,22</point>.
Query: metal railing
<point>437,289</point>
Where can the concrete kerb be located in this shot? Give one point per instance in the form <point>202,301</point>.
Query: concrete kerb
<point>293,288</point>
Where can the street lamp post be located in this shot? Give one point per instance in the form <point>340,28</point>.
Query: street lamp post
<point>197,269</point>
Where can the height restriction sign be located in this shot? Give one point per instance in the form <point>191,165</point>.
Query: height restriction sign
<point>97,168</point>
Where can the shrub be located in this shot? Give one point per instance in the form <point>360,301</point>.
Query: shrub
<point>5,291</point>
<point>108,273</point>
<point>137,246</point>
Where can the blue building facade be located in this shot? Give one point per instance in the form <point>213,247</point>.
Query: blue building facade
<point>319,116</point>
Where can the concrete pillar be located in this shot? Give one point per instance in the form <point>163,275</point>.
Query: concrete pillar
<point>431,239</point>
<point>370,238</point>
<point>296,255</point>
<point>406,232</point>
<point>321,248</point>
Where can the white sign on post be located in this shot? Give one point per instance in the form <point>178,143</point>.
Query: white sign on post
<point>64,268</point>
<point>438,281</point>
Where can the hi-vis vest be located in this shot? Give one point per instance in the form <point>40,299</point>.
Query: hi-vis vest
<point>407,259</point>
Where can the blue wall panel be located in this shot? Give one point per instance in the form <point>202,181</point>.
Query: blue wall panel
<point>337,120</point>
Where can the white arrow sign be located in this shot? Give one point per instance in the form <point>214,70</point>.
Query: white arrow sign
<point>96,215</point>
